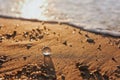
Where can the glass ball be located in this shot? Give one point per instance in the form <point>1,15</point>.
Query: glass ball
<point>46,51</point>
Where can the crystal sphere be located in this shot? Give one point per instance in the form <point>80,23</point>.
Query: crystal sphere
<point>46,51</point>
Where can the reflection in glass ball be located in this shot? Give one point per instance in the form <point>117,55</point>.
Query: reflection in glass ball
<point>46,51</point>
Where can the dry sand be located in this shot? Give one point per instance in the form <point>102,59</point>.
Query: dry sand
<point>76,54</point>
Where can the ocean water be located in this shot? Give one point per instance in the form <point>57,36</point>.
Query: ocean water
<point>102,16</point>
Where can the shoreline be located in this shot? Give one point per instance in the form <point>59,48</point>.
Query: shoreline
<point>74,51</point>
<point>100,32</point>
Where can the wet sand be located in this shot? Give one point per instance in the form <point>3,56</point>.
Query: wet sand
<point>76,54</point>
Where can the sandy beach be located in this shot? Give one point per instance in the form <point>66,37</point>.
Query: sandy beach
<point>76,54</point>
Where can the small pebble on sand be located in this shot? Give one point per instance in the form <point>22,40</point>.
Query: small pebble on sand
<point>114,59</point>
<point>14,34</point>
<point>70,45</point>
<point>118,66</point>
<point>17,25</point>
<point>63,77</point>
<point>89,40</point>
<point>65,43</point>
<point>99,47</point>
<point>80,32</point>
<point>29,46</point>
<point>0,38</point>
<point>44,27</point>
<point>54,33</point>
<point>1,25</point>
<point>38,30</point>
<point>86,35</point>
<point>74,30</point>
<point>25,34</point>
<point>24,58</point>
